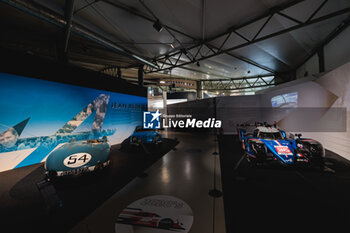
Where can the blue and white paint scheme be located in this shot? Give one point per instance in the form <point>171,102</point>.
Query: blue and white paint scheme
<point>268,143</point>
<point>77,157</point>
<point>282,149</point>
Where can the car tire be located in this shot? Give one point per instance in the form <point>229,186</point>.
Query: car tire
<point>166,223</point>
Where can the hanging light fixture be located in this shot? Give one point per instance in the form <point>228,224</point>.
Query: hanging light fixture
<point>157,26</point>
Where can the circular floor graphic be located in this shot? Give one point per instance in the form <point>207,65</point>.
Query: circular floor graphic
<point>155,214</point>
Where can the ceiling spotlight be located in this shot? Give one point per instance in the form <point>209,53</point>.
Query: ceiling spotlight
<point>248,71</point>
<point>198,64</point>
<point>157,26</point>
<point>171,45</point>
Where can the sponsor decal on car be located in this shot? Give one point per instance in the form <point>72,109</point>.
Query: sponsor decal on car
<point>74,171</point>
<point>81,170</point>
<point>283,150</point>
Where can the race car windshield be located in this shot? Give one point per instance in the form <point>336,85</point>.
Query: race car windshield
<point>274,136</point>
<point>140,129</point>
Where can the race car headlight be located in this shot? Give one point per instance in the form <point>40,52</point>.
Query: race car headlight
<point>313,149</point>
<point>133,139</point>
<point>258,147</point>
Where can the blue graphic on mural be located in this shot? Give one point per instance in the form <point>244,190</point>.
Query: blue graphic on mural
<point>47,109</point>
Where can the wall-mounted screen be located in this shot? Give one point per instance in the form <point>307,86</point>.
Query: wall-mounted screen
<point>288,100</point>
<point>39,116</point>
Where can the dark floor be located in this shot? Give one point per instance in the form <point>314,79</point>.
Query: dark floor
<point>23,208</point>
<point>277,198</point>
<point>186,173</point>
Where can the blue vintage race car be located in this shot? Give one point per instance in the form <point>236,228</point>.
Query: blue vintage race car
<point>78,157</point>
<point>147,136</point>
<point>268,143</point>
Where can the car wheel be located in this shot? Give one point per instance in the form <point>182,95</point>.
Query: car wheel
<point>166,223</point>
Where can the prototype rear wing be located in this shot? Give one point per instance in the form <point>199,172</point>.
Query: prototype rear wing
<point>242,128</point>
<point>256,124</point>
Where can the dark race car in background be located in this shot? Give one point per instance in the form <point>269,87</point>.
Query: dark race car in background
<point>142,140</point>
<point>77,157</point>
<point>146,136</point>
<point>269,143</point>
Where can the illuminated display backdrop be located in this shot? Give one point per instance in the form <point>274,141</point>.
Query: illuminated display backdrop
<point>39,116</point>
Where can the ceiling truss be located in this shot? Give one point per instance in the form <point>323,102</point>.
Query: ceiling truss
<point>45,14</point>
<point>238,84</point>
<point>205,50</point>
<point>197,40</point>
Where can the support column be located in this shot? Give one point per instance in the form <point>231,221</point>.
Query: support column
<point>119,73</point>
<point>199,90</point>
<point>321,63</point>
<point>165,112</point>
<point>140,75</point>
<point>68,15</point>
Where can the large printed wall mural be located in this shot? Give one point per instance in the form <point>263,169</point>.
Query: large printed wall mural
<point>39,116</point>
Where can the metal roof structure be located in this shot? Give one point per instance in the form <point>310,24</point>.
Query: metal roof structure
<point>207,40</point>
